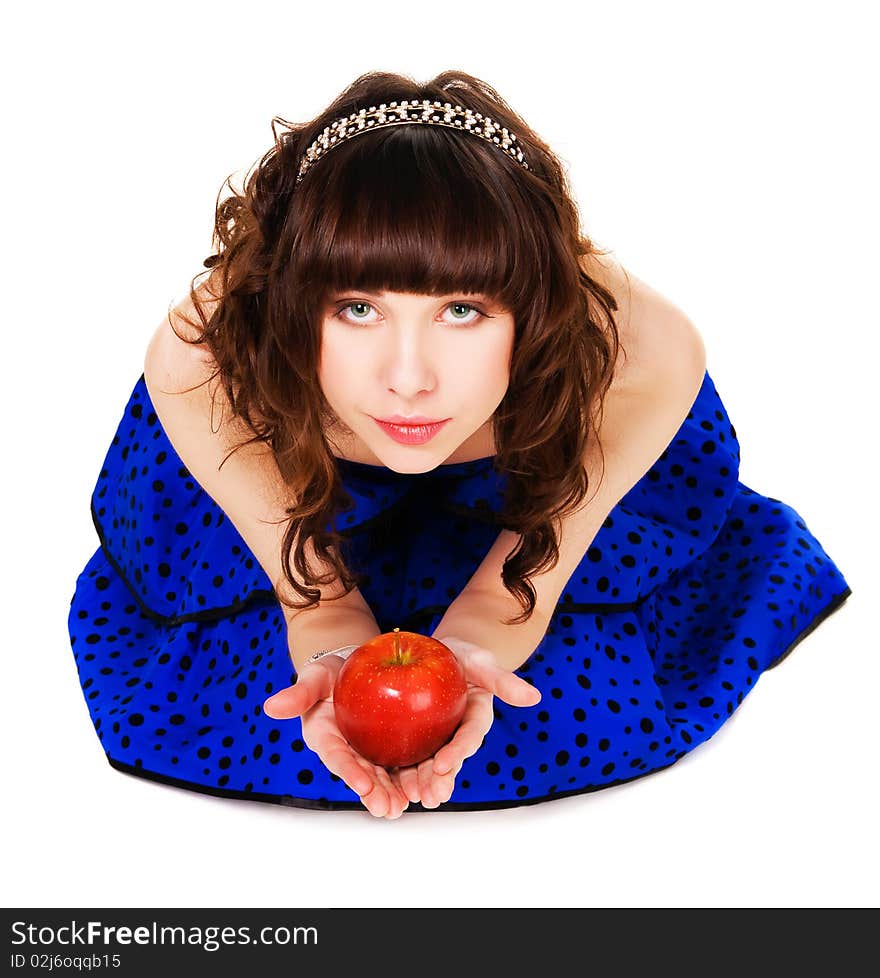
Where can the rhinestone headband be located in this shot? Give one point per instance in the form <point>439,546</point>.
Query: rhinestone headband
<point>401,113</point>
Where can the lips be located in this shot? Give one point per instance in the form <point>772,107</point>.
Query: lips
<point>410,433</point>
<point>413,419</point>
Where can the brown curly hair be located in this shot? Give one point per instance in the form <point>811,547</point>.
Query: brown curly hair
<point>419,209</point>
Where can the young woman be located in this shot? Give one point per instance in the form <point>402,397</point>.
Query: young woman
<point>413,394</point>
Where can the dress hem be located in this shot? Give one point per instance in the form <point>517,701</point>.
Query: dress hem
<point>828,610</point>
<point>324,805</point>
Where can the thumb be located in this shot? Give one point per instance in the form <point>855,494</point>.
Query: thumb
<point>313,683</point>
<point>516,691</point>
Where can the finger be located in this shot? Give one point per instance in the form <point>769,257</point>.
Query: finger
<point>344,764</point>
<point>385,800</point>
<point>474,726</point>
<point>315,682</point>
<point>376,800</point>
<point>322,736</point>
<point>408,779</point>
<point>426,784</point>
<point>371,783</point>
<point>444,784</point>
<point>481,670</point>
<point>516,691</point>
<point>397,801</point>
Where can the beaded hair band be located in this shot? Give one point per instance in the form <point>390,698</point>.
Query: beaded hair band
<point>395,114</point>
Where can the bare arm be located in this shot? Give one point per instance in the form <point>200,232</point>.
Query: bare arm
<point>645,406</point>
<point>249,488</point>
<point>252,493</point>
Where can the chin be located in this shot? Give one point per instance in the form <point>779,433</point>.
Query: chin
<point>410,463</point>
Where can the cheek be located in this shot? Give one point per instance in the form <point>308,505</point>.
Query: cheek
<point>337,367</point>
<point>490,365</point>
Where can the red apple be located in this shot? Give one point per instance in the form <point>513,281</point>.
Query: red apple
<point>399,697</point>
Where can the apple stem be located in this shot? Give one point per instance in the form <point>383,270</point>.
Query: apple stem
<point>397,644</point>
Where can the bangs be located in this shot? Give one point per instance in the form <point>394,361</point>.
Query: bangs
<point>416,209</point>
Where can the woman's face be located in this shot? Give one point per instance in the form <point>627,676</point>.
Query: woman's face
<point>398,353</point>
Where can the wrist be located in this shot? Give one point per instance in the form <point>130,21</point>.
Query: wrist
<point>479,618</point>
<point>327,628</point>
<point>343,653</point>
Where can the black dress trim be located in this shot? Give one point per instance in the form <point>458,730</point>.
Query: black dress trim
<point>209,614</point>
<point>269,596</point>
<point>829,609</point>
<point>323,805</point>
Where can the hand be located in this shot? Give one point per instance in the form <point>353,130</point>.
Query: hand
<point>431,782</point>
<point>312,699</point>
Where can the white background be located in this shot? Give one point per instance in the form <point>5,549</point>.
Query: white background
<point>724,152</point>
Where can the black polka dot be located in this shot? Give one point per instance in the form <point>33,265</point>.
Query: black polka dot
<point>691,586</point>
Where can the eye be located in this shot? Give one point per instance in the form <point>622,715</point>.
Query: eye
<point>455,306</point>
<point>462,313</point>
<point>358,304</point>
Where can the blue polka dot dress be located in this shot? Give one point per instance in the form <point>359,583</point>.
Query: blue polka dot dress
<point>692,588</point>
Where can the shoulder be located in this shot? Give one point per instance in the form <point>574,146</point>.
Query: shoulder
<point>658,340</point>
<point>185,316</point>
<point>173,346</point>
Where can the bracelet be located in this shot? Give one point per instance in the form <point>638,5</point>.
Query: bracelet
<point>343,652</point>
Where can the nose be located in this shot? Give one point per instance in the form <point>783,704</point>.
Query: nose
<point>409,367</point>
